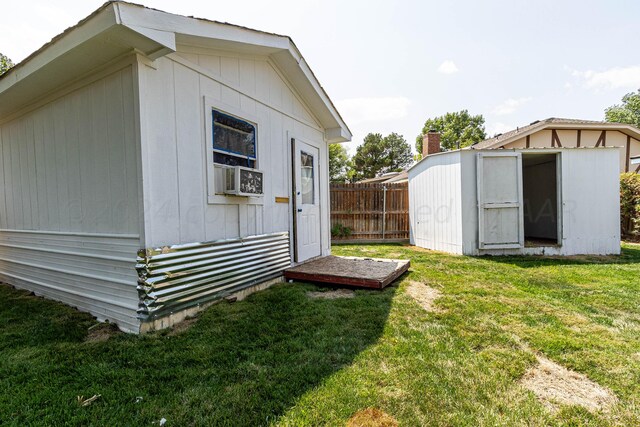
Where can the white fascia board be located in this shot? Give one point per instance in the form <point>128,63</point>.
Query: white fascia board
<point>336,135</point>
<point>138,16</point>
<point>635,160</point>
<point>306,70</point>
<point>91,27</point>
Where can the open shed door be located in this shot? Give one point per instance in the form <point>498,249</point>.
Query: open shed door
<point>500,210</point>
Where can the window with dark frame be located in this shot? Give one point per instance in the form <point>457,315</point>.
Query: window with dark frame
<point>234,141</point>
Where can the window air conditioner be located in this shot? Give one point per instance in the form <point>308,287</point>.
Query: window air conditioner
<point>242,181</point>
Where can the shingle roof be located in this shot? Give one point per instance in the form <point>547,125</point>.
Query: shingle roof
<point>387,178</point>
<point>381,178</point>
<point>487,143</point>
<point>402,176</point>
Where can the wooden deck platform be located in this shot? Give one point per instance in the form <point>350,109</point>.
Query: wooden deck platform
<point>373,273</point>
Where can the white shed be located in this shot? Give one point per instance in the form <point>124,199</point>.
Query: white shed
<point>153,163</point>
<point>561,201</point>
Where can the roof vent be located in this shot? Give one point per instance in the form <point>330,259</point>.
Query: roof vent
<point>533,123</point>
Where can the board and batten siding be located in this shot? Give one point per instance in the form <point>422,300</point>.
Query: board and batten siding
<point>434,203</point>
<point>173,93</point>
<point>69,209</point>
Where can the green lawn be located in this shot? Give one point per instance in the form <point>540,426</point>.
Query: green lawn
<point>280,358</point>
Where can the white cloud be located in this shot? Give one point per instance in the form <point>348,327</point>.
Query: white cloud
<point>365,110</point>
<point>613,78</point>
<point>510,106</point>
<point>448,67</point>
<point>498,127</point>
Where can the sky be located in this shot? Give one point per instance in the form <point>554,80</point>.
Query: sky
<point>390,65</point>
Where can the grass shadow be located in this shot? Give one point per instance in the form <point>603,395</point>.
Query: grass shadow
<point>245,363</point>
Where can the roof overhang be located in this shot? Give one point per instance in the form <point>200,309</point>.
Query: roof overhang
<point>118,28</point>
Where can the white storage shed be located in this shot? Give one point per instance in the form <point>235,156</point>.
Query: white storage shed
<point>561,201</point>
<point>152,163</point>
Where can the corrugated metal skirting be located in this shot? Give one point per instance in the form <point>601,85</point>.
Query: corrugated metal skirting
<point>173,278</point>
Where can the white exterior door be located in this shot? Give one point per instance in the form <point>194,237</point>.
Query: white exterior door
<point>307,201</point>
<point>500,207</point>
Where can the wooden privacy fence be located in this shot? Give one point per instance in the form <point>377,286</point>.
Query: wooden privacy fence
<point>369,211</point>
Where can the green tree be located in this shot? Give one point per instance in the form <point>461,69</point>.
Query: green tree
<point>338,163</point>
<point>5,64</point>
<point>627,112</point>
<point>378,155</point>
<point>455,128</point>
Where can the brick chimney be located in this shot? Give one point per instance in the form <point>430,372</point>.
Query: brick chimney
<point>431,143</point>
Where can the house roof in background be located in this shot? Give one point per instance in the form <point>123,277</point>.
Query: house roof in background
<point>555,123</point>
<point>387,178</point>
<point>118,28</point>
<point>378,179</point>
<point>400,177</point>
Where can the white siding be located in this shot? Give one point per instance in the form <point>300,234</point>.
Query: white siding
<point>469,189</point>
<point>435,203</point>
<point>591,201</point>
<point>175,193</point>
<point>71,164</point>
<point>69,215</point>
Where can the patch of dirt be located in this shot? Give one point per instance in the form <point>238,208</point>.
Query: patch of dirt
<point>424,295</point>
<point>181,327</point>
<point>333,294</point>
<point>372,417</point>
<point>101,332</point>
<point>556,385</point>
